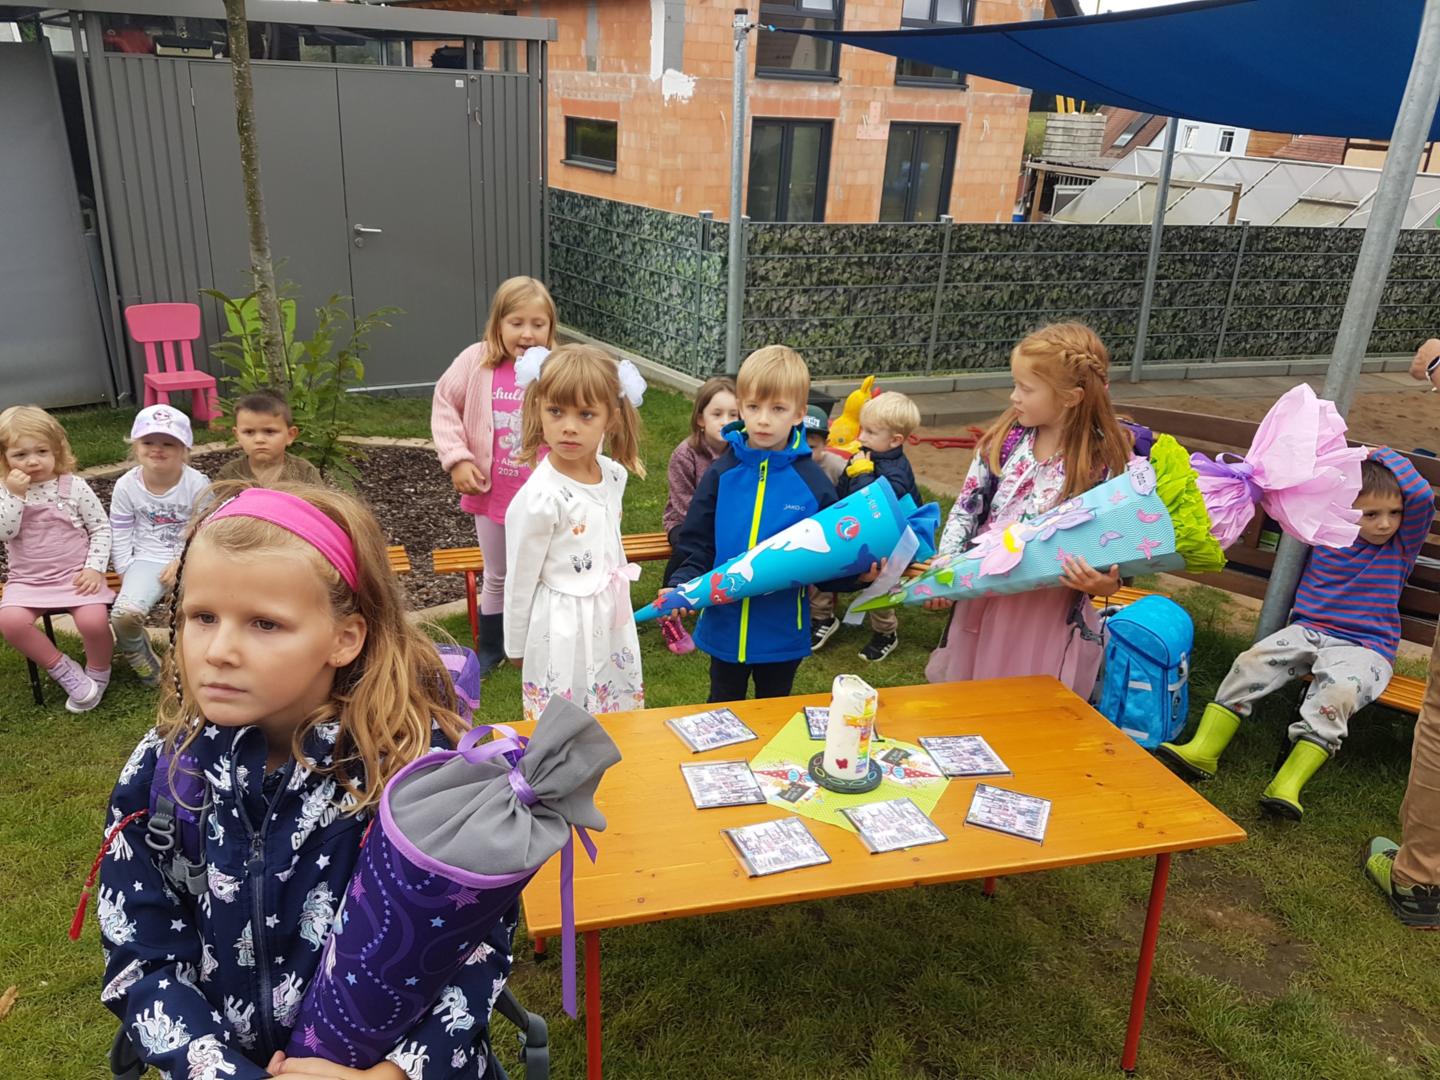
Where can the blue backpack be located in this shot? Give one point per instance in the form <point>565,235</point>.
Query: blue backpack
<point>1146,687</point>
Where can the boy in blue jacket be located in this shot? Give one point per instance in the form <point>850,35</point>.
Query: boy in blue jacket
<point>765,482</point>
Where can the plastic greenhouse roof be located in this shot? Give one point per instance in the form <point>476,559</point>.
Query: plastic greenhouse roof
<point>1273,192</point>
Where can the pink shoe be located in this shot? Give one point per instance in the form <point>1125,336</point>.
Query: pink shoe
<point>83,692</point>
<point>677,638</point>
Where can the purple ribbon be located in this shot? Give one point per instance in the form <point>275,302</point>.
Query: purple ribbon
<point>523,791</point>
<point>512,746</point>
<point>1229,467</point>
<point>567,917</point>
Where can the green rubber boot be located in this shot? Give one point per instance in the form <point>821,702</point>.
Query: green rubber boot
<point>1283,795</point>
<point>1199,758</point>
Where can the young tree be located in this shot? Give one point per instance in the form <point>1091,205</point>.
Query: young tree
<point>262,267</point>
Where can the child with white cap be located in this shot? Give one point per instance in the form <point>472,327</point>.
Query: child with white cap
<point>150,508</point>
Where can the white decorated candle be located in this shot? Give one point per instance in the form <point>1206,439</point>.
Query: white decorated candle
<point>851,724</point>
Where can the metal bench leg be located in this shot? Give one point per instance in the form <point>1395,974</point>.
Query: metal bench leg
<point>472,605</point>
<point>36,691</point>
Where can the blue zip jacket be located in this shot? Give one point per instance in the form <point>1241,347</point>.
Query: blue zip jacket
<point>209,987</point>
<point>746,496</point>
<point>891,465</point>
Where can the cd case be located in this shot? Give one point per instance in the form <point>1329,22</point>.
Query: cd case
<point>721,783</point>
<point>964,755</point>
<point>710,730</point>
<point>773,846</point>
<point>893,825</point>
<point>1025,816</point>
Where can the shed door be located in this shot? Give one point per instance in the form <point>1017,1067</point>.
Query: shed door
<point>407,175</point>
<point>52,346</point>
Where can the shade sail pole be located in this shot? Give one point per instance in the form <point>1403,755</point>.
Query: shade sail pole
<point>735,291</point>
<point>1387,214</point>
<point>1152,264</point>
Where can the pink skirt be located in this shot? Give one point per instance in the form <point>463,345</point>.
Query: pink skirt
<point>53,597</point>
<point>994,637</point>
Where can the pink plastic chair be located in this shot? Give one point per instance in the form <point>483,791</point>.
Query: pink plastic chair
<point>172,327</point>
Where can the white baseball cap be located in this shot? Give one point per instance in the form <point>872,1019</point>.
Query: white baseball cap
<point>162,420</point>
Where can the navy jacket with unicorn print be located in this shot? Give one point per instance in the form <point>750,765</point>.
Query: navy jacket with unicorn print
<point>208,987</point>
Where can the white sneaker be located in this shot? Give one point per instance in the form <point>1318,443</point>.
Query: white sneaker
<point>86,696</point>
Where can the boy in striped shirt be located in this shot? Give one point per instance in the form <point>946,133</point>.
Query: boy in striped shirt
<point>1344,632</point>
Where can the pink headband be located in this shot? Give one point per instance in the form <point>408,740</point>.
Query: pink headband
<point>295,515</point>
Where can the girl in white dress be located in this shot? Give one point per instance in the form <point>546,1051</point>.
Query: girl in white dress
<point>568,617</point>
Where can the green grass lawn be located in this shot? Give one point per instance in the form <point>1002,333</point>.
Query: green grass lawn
<point>1276,962</point>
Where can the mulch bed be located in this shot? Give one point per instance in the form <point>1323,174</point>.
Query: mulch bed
<point>413,501</point>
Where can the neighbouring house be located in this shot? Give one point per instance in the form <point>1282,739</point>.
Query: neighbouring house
<point>640,110</point>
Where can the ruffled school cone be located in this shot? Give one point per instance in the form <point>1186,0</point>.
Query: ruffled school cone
<point>1164,515</point>
<point>459,834</point>
<point>842,540</point>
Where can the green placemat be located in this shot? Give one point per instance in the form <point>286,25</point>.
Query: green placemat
<point>781,767</point>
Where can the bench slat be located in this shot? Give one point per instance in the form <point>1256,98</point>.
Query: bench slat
<point>639,547</point>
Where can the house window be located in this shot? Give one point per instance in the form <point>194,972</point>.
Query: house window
<point>1191,131</point>
<point>918,167</point>
<point>919,14</point>
<point>793,56</point>
<point>1227,140</point>
<point>1131,130</point>
<point>590,143</point>
<point>789,168</point>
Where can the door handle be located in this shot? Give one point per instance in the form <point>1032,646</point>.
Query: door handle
<point>366,230</point>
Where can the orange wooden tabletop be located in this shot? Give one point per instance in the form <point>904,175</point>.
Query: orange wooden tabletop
<point>661,858</point>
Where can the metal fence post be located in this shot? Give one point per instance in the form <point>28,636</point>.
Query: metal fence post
<point>1230,296</point>
<point>702,245</point>
<point>1152,263</point>
<point>948,223</point>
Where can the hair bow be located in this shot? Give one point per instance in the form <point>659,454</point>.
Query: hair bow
<point>527,368</point>
<point>632,383</point>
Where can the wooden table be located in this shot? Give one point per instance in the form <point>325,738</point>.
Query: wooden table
<point>661,858</point>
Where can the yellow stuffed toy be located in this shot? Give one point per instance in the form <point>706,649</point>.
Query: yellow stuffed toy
<point>845,428</point>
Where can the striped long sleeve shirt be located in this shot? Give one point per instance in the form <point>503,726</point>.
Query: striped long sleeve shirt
<point>1354,592</point>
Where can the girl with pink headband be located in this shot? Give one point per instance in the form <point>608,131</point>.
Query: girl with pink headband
<point>295,689</point>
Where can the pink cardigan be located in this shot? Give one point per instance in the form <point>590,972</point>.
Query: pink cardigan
<point>460,419</point>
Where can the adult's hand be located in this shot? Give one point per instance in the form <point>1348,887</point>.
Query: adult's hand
<point>1424,357</point>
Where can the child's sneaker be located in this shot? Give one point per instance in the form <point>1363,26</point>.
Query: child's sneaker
<point>677,638</point>
<point>822,631</point>
<point>1417,906</point>
<point>879,647</point>
<point>83,692</point>
<point>145,663</point>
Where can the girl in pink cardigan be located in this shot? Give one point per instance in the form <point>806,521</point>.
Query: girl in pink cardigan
<point>475,422</point>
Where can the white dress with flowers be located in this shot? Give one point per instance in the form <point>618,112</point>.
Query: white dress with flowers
<point>567,592</point>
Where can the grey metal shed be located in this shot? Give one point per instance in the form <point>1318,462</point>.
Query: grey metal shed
<point>442,167</point>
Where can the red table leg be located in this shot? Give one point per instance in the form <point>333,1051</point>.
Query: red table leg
<point>592,1005</point>
<point>988,889</point>
<point>1147,960</point>
<point>472,604</point>
<point>539,947</point>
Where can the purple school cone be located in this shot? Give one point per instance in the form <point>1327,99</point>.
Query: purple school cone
<point>458,835</point>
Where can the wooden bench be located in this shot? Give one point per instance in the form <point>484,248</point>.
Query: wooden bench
<point>1253,556</point>
<point>639,547</point>
<point>399,563</point>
